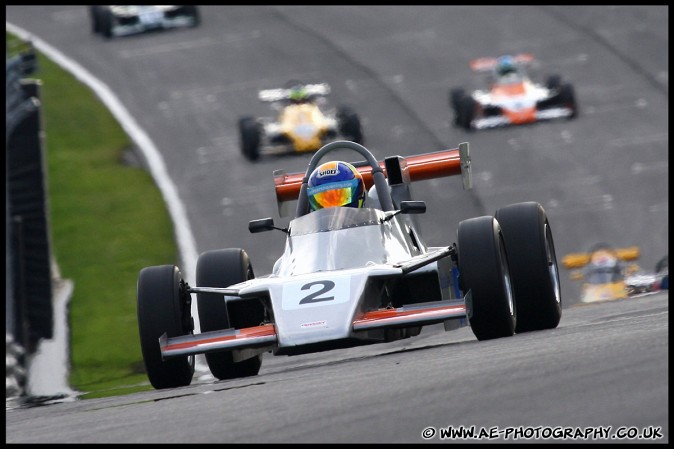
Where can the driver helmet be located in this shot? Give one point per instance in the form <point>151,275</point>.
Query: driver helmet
<point>505,65</point>
<point>335,183</point>
<point>298,94</point>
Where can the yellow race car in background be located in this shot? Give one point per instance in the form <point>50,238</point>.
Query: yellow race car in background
<point>304,122</point>
<point>609,273</point>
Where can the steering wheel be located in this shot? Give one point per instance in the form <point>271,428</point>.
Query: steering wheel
<point>380,183</point>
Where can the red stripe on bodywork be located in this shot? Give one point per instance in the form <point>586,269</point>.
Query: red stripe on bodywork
<point>387,316</point>
<point>393,313</point>
<point>266,330</point>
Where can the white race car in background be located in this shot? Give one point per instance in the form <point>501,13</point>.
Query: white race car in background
<point>121,20</point>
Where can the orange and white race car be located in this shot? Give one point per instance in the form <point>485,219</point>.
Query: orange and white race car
<point>512,98</point>
<point>304,122</point>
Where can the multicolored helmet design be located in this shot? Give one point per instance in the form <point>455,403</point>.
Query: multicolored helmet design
<point>335,183</point>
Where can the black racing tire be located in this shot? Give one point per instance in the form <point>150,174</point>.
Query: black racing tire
<point>567,98</point>
<point>662,265</point>
<point>222,268</point>
<point>484,277</point>
<point>553,82</point>
<point>466,112</point>
<point>533,265</point>
<point>250,134</point>
<point>349,124</point>
<point>106,22</point>
<point>193,11</point>
<point>455,97</point>
<point>662,271</point>
<point>163,307</point>
<point>95,16</point>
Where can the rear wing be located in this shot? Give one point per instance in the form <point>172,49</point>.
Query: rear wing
<point>578,260</point>
<point>487,64</point>
<point>312,90</point>
<point>418,167</point>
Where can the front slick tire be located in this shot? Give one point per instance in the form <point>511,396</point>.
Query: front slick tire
<point>456,95</point>
<point>466,112</point>
<point>533,265</point>
<point>349,124</point>
<point>249,132</point>
<point>484,272</point>
<point>162,308</point>
<point>222,268</point>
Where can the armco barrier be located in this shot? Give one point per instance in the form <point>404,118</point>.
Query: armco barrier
<point>28,301</point>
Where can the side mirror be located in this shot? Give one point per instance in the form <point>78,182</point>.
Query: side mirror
<point>412,207</point>
<point>261,225</point>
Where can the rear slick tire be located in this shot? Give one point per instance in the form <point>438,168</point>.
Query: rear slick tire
<point>533,265</point>
<point>222,268</point>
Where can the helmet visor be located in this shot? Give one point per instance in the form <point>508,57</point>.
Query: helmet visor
<point>333,194</point>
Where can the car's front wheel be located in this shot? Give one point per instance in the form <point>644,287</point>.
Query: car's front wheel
<point>349,124</point>
<point>164,306</point>
<point>106,22</point>
<point>466,112</point>
<point>533,265</point>
<point>456,95</point>
<point>484,277</point>
<point>249,132</point>
<point>95,16</point>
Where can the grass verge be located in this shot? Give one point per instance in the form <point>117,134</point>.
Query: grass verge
<point>108,220</point>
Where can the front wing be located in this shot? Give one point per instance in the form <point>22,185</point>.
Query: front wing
<point>265,335</point>
<point>538,116</point>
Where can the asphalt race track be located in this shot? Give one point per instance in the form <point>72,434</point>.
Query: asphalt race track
<point>602,177</point>
<point>604,368</point>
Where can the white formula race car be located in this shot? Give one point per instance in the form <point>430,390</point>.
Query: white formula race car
<point>122,20</point>
<point>351,276</point>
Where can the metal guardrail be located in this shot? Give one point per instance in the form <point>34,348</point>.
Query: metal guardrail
<point>21,60</point>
